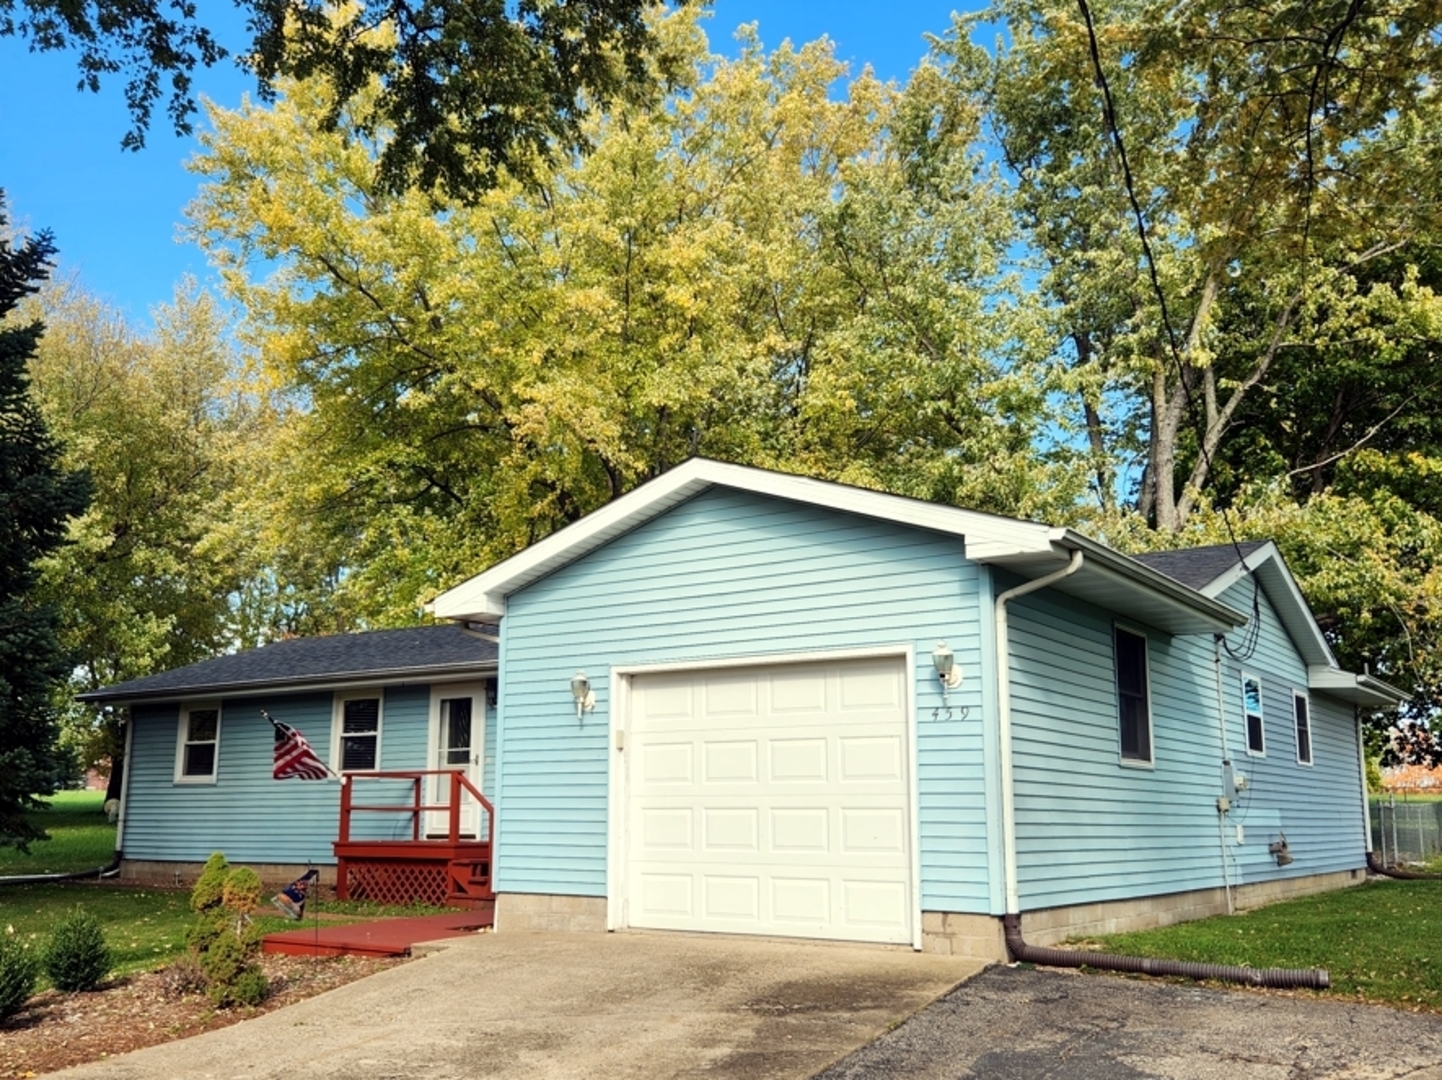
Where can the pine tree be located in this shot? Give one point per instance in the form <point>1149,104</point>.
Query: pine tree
<point>36,500</point>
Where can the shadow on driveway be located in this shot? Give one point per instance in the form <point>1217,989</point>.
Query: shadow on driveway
<point>1016,1024</point>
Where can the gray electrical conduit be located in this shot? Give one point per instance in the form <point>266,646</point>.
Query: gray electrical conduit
<point>1314,978</point>
<point>1375,865</point>
<point>38,879</point>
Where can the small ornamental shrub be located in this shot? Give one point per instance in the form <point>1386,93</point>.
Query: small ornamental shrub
<point>19,970</point>
<point>222,941</point>
<point>210,888</point>
<point>183,977</point>
<point>77,957</point>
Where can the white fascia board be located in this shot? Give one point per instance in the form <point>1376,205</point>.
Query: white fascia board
<point>1220,617</point>
<point>1292,607</point>
<point>483,597</point>
<point>1365,690</point>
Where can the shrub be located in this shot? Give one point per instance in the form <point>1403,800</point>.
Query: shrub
<point>250,987</point>
<point>209,890</point>
<point>241,893</point>
<point>182,977</point>
<point>19,970</point>
<point>77,957</point>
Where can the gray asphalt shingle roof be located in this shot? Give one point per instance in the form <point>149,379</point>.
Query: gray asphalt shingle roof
<point>1199,566</point>
<point>411,653</point>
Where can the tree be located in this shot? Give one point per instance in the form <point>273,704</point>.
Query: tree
<point>754,272</point>
<point>150,577</point>
<point>465,88</point>
<point>37,498</point>
<point>1205,184</point>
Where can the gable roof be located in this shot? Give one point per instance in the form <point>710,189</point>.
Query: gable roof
<point>412,654</point>
<point>1107,577</point>
<point>1199,566</point>
<point>1214,569</point>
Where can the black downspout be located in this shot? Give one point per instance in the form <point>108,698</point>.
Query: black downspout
<point>1375,865</point>
<point>1313,978</point>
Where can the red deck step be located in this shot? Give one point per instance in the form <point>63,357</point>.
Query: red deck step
<point>384,937</point>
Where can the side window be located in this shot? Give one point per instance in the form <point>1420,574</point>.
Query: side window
<point>1302,715</point>
<point>196,751</point>
<point>1134,712</point>
<point>1252,714</point>
<point>358,733</point>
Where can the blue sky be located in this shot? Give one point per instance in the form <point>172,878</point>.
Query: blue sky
<point>115,213</point>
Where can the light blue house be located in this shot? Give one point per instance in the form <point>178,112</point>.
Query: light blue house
<point>200,750</point>
<point>720,709</point>
<point>739,701</point>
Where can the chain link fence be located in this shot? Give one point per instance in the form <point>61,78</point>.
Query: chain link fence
<point>1405,831</point>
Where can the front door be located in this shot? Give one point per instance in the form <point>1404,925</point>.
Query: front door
<point>458,741</point>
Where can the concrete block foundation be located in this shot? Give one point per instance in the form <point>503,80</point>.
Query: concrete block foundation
<point>541,911</point>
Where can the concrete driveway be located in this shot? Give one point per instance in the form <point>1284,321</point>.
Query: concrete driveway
<point>572,1006</point>
<point>1016,1024</point>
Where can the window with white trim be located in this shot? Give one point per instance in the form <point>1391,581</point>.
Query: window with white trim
<point>1302,718</point>
<point>197,749</point>
<point>358,733</point>
<point>1252,714</point>
<point>1134,710</point>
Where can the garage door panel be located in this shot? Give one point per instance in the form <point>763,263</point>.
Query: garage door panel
<point>799,761</point>
<point>730,762</point>
<point>790,812</point>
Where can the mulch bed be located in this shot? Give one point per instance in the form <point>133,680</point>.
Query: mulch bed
<point>55,1030</point>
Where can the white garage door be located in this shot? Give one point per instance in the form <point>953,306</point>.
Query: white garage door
<point>772,800</point>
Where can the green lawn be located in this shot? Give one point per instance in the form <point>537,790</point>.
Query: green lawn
<point>80,837</point>
<point>1381,941</point>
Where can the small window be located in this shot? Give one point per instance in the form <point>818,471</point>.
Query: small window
<point>1301,713</point>
<point>196,751</point>
<point>1252,714</point>
<point>1133,705</point>
<point>360,734</point>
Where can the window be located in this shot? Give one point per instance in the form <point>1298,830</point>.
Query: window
<point>1301,713</point>
<point>1133,706</point>
<point>1252,714</point>
<point>360,734</point>
<point>195,752</point>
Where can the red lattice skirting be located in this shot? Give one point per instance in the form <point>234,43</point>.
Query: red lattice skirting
<point>422,871</point>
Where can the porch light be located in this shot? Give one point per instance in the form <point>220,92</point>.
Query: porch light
<point>581,691</point>
<point>946,670</point>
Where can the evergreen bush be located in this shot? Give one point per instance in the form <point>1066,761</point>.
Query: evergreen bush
<point>210,888</point>
<point>77,957</point>
<point>19,970</point>
<point>222,942</point>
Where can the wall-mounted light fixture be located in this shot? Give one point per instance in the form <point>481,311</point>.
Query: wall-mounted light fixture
<point>946,670</point>
<point>581,691</point>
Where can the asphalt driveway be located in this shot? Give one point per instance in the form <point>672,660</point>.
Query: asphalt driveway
<point>1016,1024</point>
<point>575,1007</point>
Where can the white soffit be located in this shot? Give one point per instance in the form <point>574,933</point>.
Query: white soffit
<point>1108,578</point>
<point>1365,690</point>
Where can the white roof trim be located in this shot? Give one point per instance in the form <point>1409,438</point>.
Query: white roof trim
<point>1364,690</point>
<point>988,537</point>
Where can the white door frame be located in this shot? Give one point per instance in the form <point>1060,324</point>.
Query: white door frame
<point>618,788</point>
<point>436,791</point>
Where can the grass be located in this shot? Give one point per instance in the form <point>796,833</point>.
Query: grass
<point>144,927</point>
<point>80,837</point>
<point>1381,941</point>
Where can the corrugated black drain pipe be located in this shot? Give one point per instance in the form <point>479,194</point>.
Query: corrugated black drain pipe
<point>1312,978</point>
<point>1375,865</point>
<point>79,875</point>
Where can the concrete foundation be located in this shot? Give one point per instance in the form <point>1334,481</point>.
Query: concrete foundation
<point>980,936</point>
<point>541,911</point>
<point>183,875</point>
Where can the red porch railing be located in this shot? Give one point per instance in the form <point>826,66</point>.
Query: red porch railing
<point>453,870</point>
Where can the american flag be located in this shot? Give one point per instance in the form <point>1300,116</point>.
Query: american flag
<point>294,759</point>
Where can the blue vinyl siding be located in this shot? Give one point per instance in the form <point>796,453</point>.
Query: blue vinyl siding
<point>246,813</point>
<point>731,574</point>
<point>1091,828</point>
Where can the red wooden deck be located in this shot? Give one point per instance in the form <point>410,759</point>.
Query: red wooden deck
<point>384,937</point>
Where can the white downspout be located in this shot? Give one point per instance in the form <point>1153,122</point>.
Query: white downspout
<point>127,765</point>
<point>1003,710</point>
<point>1226,761</point>
<point>1362,769</point>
